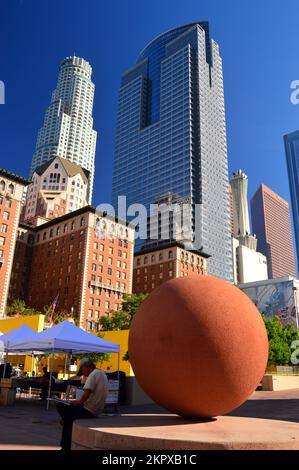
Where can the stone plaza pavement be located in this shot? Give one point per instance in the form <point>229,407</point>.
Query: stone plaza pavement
<point>27,426</point>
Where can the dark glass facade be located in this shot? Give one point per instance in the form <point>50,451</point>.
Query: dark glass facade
<point>291,142</point>
<point>171,135</point>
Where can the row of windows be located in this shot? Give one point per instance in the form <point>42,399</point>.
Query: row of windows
<point>153,258</point>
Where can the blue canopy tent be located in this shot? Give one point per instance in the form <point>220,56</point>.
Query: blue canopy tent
<point>18,334</point>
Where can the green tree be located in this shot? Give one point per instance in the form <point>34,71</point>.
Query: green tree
<point>121,320</point>
<point>280,339</point>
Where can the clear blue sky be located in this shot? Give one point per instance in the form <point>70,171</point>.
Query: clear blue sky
<point>259,46</point>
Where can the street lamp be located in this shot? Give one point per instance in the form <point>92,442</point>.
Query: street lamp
<point>295,289</point>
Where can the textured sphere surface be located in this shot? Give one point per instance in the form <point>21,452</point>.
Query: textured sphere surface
<point>198,346</point>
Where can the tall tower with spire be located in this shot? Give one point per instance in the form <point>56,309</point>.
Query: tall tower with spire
<point>239,186</point>
<point>248,264</point>
<point>68,131</point>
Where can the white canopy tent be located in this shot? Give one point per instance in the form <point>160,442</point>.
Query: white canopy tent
<point>65,338</point>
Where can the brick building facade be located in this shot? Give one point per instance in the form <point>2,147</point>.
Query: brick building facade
<point>155,266</point>
<point>84,258</point>
<point>11,194</point>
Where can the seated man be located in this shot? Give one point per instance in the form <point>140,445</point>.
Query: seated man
<point>90,405</point>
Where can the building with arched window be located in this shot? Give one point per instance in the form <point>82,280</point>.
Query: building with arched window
<point>58,187</point>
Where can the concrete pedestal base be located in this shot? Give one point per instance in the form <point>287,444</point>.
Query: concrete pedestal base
<point>162,431</point>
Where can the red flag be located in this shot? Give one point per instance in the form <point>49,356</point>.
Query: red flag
<point>53,306</point>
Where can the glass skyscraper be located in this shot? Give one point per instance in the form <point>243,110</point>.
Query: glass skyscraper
<point>291,142</point>
<point>171,135</point>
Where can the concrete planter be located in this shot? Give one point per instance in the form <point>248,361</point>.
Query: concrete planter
<point>272,382</point>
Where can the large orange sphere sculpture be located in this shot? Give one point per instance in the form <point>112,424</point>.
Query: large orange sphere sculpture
<point>198,346</point>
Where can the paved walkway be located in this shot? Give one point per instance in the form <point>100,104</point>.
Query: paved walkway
<point>30,426</point>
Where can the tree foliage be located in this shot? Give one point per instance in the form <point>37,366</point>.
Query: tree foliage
<point>280,339</point>
<point>121,320</point>
<point>18,307</point>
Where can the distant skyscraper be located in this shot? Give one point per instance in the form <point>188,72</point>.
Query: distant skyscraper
<point>291,142</point>
<point>248,264</point>
<point>231,210</point>
<point>239,185</point>
<point>271,223</point>
<point>68,125</point>
<point>171,135</point>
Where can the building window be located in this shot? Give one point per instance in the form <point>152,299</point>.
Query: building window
<point>11,189</point>
<point>2,185</point>
<point>170,254</point>
<point>4,228</point>
<point>5,215</point>
<point>8,203</point>
<point>2,241</point>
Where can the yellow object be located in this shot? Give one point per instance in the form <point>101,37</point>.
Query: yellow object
<point>121,338</point>
<point>36,322</point>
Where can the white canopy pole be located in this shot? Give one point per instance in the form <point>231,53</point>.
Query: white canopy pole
<point>50,380</point>
<point>65,365</point>
<point>4,368</point>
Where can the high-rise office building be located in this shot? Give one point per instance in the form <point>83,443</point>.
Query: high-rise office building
<point>171,135</point>
<point>291,142</point>
<point>271,223</point>
<point>68,125</point>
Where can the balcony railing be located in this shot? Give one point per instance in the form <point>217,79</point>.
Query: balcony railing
<point>102,285</point>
